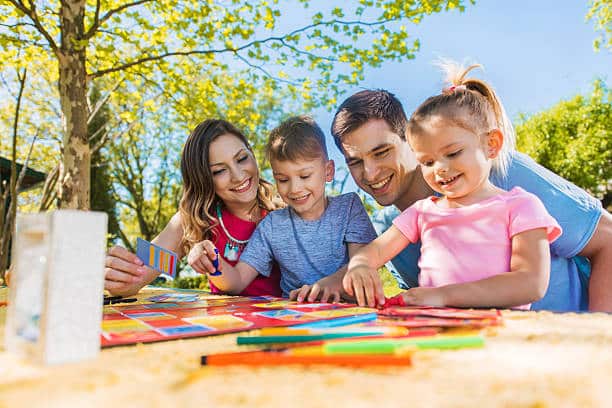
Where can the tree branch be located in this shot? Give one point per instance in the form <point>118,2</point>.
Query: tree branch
<point>232,50</point>
<point>102,102</point>
<point>266,73</point>
<point>99,21</point>
<point>49,193</point>
<point>31,12</point>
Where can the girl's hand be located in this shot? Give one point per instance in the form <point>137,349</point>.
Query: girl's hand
<point>124,273</point>
<point>424,297</point>
<point>201,258</point>
<point>364,284</point>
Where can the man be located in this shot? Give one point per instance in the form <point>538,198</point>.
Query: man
<point>369,129</point>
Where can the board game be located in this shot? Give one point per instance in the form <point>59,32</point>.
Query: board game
<point>169,314</point>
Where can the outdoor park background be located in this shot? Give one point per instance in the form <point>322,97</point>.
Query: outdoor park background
<point>550,61</point>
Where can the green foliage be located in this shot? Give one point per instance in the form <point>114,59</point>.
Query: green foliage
<point>165,66</point>
<point>574,140</point>
<point>192,282</point>
<point>600,12</point>
<point>390,286</point>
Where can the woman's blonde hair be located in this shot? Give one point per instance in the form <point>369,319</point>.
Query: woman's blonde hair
<point>471,104</point>
<point>199,200</point>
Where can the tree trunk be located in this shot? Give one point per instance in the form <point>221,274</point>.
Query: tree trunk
<point>75,172</point>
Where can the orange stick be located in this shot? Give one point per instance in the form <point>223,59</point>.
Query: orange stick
<point>274,358</point>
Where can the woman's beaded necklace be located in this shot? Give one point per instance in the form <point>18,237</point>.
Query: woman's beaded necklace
<point>233,246</point>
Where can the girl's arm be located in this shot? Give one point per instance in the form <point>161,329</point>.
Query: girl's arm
<point>125,274</point>
<point>362,280</point>
<point>328,288</point>
<point>526,282</point>
<point>232,280</point>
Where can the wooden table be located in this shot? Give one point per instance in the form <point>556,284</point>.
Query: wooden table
<point>534,360</point>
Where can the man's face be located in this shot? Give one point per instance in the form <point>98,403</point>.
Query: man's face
<point>380,162</point>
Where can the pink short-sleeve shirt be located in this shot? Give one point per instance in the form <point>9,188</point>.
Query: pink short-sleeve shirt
<point>474,242</point>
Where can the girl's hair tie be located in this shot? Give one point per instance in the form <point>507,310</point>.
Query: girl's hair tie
<point>453,88</point>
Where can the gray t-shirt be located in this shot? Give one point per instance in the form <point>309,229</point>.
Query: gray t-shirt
<point>308,250</point>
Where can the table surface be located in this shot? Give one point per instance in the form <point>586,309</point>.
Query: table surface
<point>533,360</point>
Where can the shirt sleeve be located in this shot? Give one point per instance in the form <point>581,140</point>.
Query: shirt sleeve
<point>359,229</point>
<point>527,213</point>
<point>258,252</point>
<point>576,211</point>
<point>408,223</point>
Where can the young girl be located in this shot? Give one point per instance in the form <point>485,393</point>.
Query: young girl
<point>481,246</point>
<point>223,200</point>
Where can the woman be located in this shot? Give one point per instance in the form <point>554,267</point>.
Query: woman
<point>223,200</point>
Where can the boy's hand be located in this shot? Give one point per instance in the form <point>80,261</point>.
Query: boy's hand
<point>364,284</point>
<point>201,258</point>
<point>328,289</point>
<point>424,297</point>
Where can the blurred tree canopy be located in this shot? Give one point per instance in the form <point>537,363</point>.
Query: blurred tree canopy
<point>222,58</point>
<point>574,140</point>
<point>600,12</point>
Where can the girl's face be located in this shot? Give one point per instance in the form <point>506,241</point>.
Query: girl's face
<point>234,171</point>
<point>455,162</point>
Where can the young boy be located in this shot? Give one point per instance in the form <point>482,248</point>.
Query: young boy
<point>315,235</point>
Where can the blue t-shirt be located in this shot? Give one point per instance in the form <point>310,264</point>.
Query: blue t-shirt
<point>574,209</point>
<point>308,250</point>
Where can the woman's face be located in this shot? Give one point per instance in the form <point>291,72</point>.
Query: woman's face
<point>234,170</point>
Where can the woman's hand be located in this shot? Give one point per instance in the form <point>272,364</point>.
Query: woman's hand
<point>124,273</point>
<point>201,258</point>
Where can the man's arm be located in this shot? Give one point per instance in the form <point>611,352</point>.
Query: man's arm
<point>599,252</point>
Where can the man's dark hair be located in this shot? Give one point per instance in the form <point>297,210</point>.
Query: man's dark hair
<point>364,106</point>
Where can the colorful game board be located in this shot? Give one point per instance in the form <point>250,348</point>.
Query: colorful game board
<point>170,315</point>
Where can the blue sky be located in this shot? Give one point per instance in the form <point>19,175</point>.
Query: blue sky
<point>535,53</point>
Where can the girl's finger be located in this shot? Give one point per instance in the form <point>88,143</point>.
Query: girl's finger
<point>347,284</point>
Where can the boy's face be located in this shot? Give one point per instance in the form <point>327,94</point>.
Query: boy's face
<point>380,162</point>
<point>301,184</point>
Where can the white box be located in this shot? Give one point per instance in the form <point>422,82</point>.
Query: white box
<point>57,286</point>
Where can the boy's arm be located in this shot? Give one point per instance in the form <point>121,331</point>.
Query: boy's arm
<point>232,280</point>
<point>327,288</point>
<point>599,252</point>
<point>362,280</point>
<point>526,281</point>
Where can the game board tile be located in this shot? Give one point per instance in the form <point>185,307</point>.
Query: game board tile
<point>166,323</point>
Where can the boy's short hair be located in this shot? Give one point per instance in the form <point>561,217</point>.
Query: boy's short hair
<point>365,105</point>
<point>296,138</point>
